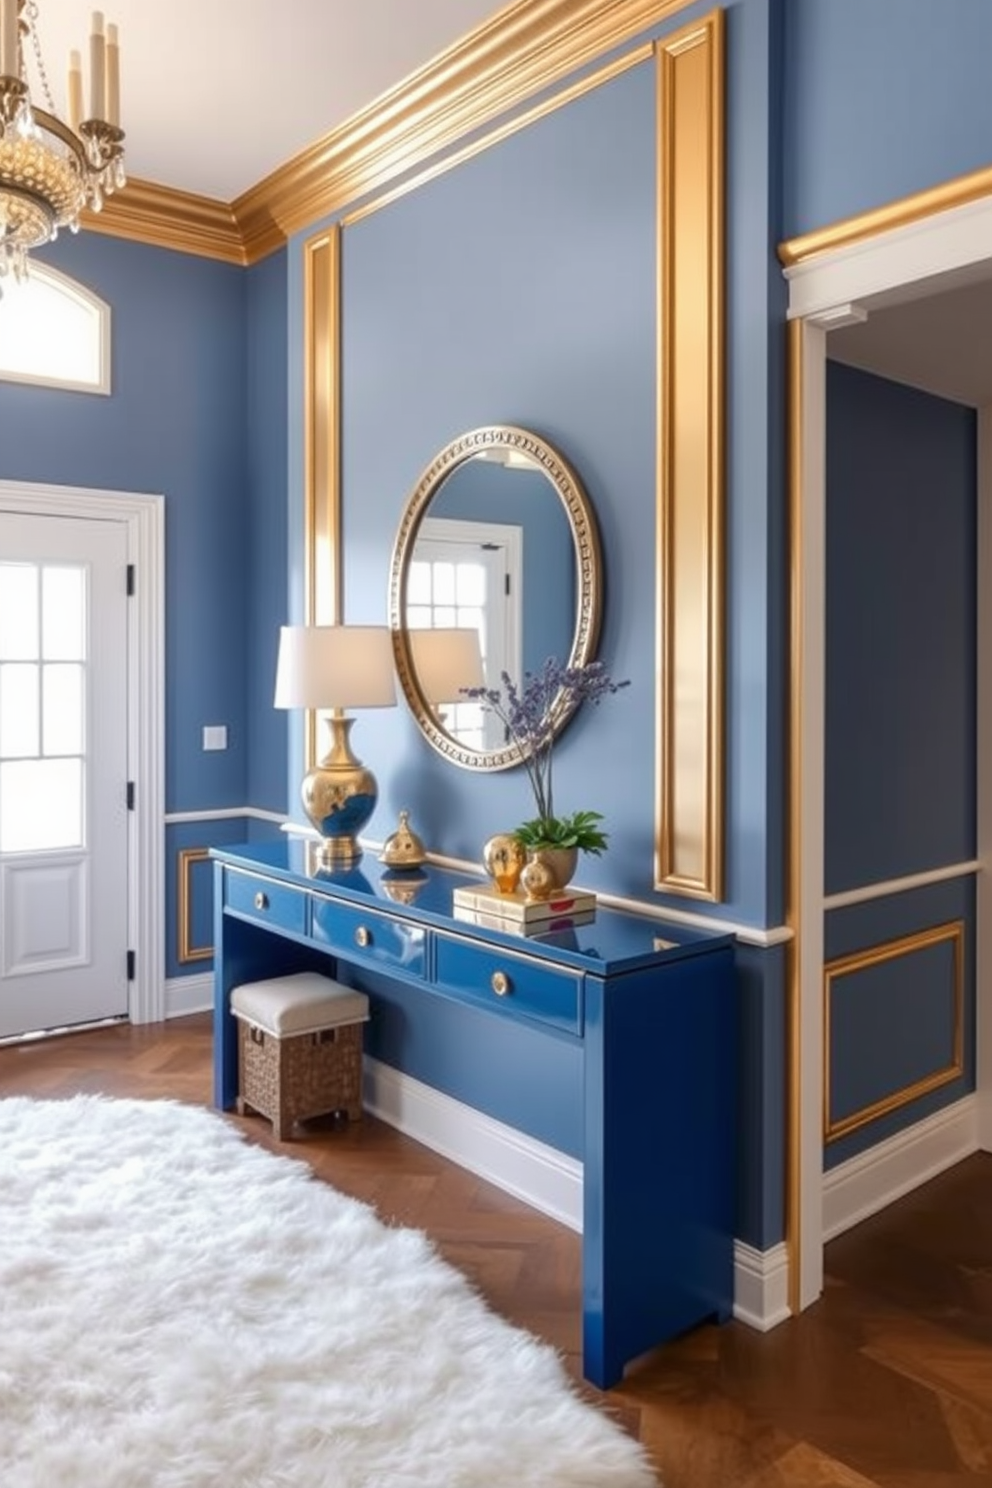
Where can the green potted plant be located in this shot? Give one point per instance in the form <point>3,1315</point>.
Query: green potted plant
<point>531,716</point>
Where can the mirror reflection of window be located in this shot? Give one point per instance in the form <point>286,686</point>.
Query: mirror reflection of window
<point>468,575</point>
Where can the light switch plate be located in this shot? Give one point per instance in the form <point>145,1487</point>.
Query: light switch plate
<point>215,736</point>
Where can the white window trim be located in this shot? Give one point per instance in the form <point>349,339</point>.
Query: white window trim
<point>45,274</point>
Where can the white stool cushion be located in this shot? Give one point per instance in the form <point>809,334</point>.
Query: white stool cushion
<point>303,1003</point>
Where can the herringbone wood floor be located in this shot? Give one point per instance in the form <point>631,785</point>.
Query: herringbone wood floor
<point>887,1381</point>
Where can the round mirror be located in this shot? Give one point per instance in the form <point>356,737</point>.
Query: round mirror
<point>497,538</point>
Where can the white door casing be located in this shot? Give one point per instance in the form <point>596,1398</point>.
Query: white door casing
<point>941,250</point>
<point>139,522</point>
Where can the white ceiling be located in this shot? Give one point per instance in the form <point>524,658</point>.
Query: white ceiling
<point>216,94</point>
<point>941,342</point>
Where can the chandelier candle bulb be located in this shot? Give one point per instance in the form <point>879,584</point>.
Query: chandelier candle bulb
<point>10,45</point>
<point>98,68</point>
<point>113,77</point>
<point>75,90</point>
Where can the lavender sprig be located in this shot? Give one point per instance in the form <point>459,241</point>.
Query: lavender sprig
<point>530,714</point>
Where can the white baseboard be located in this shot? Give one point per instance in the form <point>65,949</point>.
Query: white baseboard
<point>546,1179</point>
<point>189,994</point>
<point>761,1286</point>
<point>866,1183</point>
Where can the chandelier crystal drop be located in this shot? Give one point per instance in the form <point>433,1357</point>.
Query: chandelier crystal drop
<point>50,170</point>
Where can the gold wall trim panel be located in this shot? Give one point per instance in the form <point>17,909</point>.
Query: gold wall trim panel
<point>901,213</point>
<point>146,213</point>
<point>952,933</point>
<point>186,951</point>
<point>689,830</point>
<point>527,47</point>
<point>322,441</point>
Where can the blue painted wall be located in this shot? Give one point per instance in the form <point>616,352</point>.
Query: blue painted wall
<point>266,576</point>
<point>883,98</point>
<point>175,426</point>
<point>901,728</point>
<point>470,300</point>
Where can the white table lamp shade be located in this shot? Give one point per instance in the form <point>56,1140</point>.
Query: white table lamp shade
<point>335,666</point>
<point>445,661</point>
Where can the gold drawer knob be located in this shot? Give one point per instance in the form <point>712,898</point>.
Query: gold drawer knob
<point>501,984</point>
<point>261,900</point>
<point>363,936</point>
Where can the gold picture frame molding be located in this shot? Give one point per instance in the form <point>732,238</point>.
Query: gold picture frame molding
<point>951,933</point>
<point>186,951</point>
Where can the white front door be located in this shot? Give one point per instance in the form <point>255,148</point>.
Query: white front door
<point>63,771</point>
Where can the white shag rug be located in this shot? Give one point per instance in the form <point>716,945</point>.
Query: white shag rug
<point>181,1309</point>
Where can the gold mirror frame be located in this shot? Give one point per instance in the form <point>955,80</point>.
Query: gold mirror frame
<point>588,561</point>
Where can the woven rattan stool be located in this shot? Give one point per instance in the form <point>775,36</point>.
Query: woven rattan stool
<point>299,1048</point>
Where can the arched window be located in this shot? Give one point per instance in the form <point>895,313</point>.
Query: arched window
<point>55,332</point>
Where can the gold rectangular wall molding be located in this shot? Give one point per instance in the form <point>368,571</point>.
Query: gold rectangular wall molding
<point>689,829</point>
<point>952,933</point>
<point>186,951</point>
<point>322,437</point>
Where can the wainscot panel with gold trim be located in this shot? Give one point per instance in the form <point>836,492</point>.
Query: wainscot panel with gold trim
<point>893,1026</point>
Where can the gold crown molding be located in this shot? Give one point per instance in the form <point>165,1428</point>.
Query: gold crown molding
<point>530,45</point>
<point>503,131</point>
<point>147,213</point>
<point>958,192</point>
<point>951,933</point>
<point>689,827</point>
<point>186,951</point>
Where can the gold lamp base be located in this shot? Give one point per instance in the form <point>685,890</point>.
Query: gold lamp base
<point>339,796</point>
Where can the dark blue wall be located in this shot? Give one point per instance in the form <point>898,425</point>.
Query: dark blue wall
<point>883,98</point>
<point>901,598</point>
<point>901,729</point>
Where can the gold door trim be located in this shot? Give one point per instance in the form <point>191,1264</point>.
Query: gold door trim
<point>689,828</point>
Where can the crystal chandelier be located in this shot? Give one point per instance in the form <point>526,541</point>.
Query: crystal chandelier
<point>50,170</point>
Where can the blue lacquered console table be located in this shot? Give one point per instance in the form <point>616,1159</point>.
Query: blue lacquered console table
<point>613,1041</point>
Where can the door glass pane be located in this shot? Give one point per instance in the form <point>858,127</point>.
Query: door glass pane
<point>18,612</point>
<point>63,614</point>
<point>62,690</point>
<point>418,584</point>
<point>41,805</point>
<point>18,710</point>
<point>471,584</point>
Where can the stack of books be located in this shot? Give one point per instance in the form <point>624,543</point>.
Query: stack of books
<point>515,914</point>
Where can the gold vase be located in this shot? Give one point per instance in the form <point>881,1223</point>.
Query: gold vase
<point>560,864</point>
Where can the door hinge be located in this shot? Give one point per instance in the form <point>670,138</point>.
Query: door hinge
<point>506,583</point>
<point>130,965</point>
<point>130,795</point>
<point>130,580</point>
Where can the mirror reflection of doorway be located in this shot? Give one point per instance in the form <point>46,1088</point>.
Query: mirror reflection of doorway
<point>469,575</point>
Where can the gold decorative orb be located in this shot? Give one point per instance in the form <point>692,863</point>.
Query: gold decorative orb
<point>537,879</point>
<point>504,858</point>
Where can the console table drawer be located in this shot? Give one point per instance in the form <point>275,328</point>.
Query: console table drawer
<point>364,935</point>
<point>269,903</point>
<point>522,984</point>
